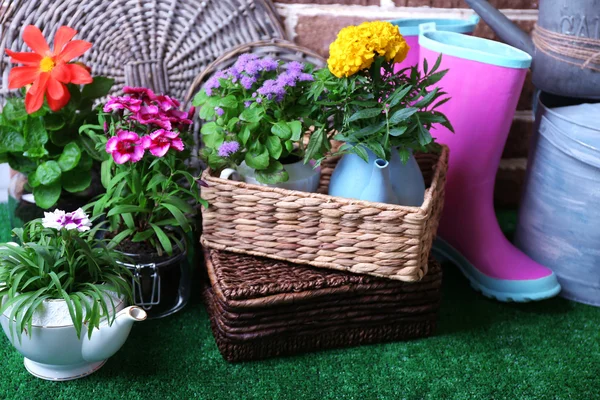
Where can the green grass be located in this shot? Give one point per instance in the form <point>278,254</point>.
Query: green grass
<point>482,350</point>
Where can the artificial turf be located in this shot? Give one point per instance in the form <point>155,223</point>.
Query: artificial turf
<point>482,350</point>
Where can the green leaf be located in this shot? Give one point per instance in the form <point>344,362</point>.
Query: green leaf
<point>99,87</point>
<point>251,114</point>
<point>70,157</point>
<point>282,130</point>
<point>85,162</point>
<point>46,195</point>
<point>244,135</point>
<point>274,146</point>
<point>258,158</point>
<point>14,110</point>
<point>434,78</point>
<point>437,64</point>
<point>376,148</point>
<point>162,238</point>
<point>126,208</point>
<point>48,172</point>
<point>36,152</point>
<point>143,236</point>
<point>200,98</point>
<point>315,144</point>
<point>398,96</point>
<point>424,136</point>
<point>34,132</point>
<point>76,180</point>
<point>180,204</point>
<point>274,173</point>
<point>427,99</point>
<point>33,180</point>
<point>366,113</point>
<point>289,146</point>
<point>296,128</point>
<point>368,130</point>
<point>210,128</point>
<point>182,221</point>
<point>10,140</point>
<point>362,153</point>
<point>402,114</point>
<point>228,102</point>
<point>398,131</point>
<point>106,172</point>
<point>53,122</point>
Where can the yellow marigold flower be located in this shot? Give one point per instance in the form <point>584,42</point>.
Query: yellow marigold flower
<point>356,46</point>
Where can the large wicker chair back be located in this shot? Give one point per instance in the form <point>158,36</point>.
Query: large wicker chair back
<point>160,44</point>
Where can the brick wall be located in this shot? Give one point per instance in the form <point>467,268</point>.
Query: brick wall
<point>315,23</point>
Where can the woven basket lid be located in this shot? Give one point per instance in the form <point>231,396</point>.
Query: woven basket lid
<point>160,44</point>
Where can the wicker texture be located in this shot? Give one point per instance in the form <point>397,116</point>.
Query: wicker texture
<point>377,239</point>
<point>261,308</point>
<point>160,44</point>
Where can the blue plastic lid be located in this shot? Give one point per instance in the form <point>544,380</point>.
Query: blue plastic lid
<point>472,48</point>
<point>410,26</point>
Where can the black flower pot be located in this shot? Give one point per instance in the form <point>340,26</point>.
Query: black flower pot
<point>161,285</point>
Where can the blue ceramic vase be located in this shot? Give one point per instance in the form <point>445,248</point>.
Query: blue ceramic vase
<point>390,182</point>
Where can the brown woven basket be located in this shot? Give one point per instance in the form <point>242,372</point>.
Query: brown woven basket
<point>261,308</point>
<point>377,239</point>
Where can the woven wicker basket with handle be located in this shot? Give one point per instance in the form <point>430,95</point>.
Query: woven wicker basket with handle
<point>378,239</point>
<point>160,44</point>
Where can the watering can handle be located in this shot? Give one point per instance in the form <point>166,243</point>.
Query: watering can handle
<point>230,173</point>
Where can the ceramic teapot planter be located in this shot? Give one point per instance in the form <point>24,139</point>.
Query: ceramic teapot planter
<point>302,177</point>
<point>52,349</point>
<point>390,182</point>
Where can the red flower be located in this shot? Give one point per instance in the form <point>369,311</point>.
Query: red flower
<point>48,71</point>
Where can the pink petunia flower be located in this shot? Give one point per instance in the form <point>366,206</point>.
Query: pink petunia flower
<point>166,103</point>
<point>59,219</point>
<point>126,146</point>
<point>160,141</point>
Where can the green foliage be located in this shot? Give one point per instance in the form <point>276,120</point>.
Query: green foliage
<point>378,110</point>
<point>268,129</point>
<point>67,264</point>
<point>46,145</point>
<point>150,200</point>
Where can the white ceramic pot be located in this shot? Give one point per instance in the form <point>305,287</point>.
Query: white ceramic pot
<point>52,349</point>
<point>302,177</point>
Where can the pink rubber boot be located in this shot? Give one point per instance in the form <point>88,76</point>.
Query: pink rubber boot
<point>485,79</point>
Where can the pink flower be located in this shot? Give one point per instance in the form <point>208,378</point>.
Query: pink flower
<point>160,141</point>
<point>126,146</point>
<point>148,115</point>
<point>122,103</point>
<point>59,219</point>
<point>144,94</point>
<point>166,103</point>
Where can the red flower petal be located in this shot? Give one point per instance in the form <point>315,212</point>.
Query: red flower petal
<point>35,96</point>
<point>35,40</point>
<point>63,35</point>
<point>31,59</point>
<point>79,75</point>
<point>56,90</point>
<point>57,104</point>
<point>61,73</point>
<point>73,50</point>
<point>21,76</point>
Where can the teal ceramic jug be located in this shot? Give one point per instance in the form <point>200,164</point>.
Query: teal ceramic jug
<point>378,180</point>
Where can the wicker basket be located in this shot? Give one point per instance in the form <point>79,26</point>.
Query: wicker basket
<point>261,308</point>
<point>377,239</point>
<point>160,44</point>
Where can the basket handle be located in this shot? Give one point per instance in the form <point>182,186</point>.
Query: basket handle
<point>230,173</point>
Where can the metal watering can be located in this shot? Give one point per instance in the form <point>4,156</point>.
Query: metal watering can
<point>565,45</point>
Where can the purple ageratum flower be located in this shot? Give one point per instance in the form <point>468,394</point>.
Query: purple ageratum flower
<point>252,68</point>
<point>268,64</point>
<point>248,81</point>
<point>122,103</point>
<point>304,77</point>
<point>272,88</point>
<point>294,67</point>
<point>219,111</point>
<point>213,82</point>
<point>243,60</point>
<point>259,100</point>
<point>247,103</point>
<point>126,146</point>
<point>228,148</point>
<point>59,219</point>
<point>286,79</point>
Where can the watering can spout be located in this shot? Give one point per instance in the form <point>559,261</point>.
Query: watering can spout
<point>506,30</point>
